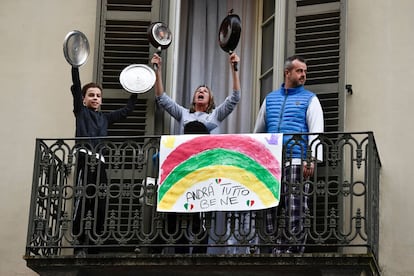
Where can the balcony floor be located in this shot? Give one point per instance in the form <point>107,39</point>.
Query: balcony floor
<point>149,264</point>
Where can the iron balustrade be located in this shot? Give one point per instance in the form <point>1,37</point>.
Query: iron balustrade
<point>118,214</point>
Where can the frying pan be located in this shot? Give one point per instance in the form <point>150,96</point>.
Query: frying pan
<point>229,34</point>
<point>137,78</point>
<point>76,48</point>
<point>159,35</point>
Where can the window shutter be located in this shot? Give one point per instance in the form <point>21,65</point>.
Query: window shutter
<point>315,31</point>
<point>267,48</point>
<point>123,41</point>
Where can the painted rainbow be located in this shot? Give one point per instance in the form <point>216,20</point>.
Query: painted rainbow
<point>235,156</point>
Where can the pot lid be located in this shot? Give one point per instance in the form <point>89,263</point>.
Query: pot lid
<point>137,78</point>
<point>76,48</point>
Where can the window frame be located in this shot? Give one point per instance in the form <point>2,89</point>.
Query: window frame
<point>284,20</point>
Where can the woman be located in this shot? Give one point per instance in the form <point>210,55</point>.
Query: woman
<point>202,107</point>
<point>201,118</point>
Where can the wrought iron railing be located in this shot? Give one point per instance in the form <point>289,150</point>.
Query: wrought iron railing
<point>115,209</point>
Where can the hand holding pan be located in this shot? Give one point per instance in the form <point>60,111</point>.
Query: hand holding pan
<point>159,36</point>
<point>229,34</point>
<point>76,48</point>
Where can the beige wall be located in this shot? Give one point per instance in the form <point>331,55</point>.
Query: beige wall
<point>380,61</point>
<point>36,102</point>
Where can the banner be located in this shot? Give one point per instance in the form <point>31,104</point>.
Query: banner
<point>227,172</point>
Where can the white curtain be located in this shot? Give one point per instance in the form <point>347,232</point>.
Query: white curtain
<point>202,61</point>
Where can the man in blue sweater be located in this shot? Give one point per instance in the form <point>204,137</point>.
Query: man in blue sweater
<point>292,109</point>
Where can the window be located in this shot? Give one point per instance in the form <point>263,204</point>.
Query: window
<point>315,30</point>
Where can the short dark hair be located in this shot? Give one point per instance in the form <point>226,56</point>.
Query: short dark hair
<point>90,85</point>
<point>289,61</point>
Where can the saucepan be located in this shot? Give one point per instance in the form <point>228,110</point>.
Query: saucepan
<point>229,34</point>
<point>76,48</point>
<point>159,35</point>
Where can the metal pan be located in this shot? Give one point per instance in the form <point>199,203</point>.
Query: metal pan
<point>159,35</point>
<point>137,78</point>
<point>76,48</point>
<point>229,33</point>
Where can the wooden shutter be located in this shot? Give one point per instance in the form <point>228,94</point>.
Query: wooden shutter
<point>316,32</point>
<point>123,41</point>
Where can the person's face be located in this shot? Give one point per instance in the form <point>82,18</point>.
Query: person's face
<point>296,75</point>
<point>93,98</point>
<point>202,96</point>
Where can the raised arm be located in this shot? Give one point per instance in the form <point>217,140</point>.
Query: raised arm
<point>76,90</point>
<point>226,107</point>
<point>235,74</point>
<point>174,109</point>
<point>122,112</point>
<point>159,86</point>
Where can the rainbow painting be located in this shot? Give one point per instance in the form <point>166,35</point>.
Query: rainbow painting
<point>227,172</point>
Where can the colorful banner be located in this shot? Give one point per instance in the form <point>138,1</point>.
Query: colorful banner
<point>228,172</point>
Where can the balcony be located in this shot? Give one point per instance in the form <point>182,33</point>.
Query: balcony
<point>112,226</point>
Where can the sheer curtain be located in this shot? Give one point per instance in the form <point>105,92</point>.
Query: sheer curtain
<point>202,61</point>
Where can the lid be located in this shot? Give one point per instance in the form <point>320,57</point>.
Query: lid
<point>76,48</point>
<point>137,78</point>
